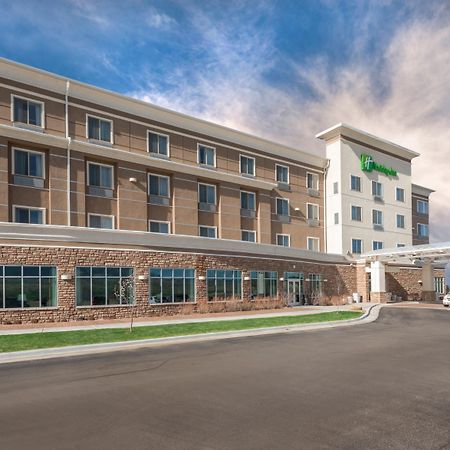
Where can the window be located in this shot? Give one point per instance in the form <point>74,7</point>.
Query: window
<point>377,189</point>
<point>172,285</point>
<point>440,286</point>
<point>263,284</point>
<point>355,183</point>
<point>100,176</point>
<point>312,181</point>
<point>315,284</point>
<point>158,144</point>
<point>356,246</point>
<point>248,235</point>
<point>422,230</point>
<point>155,226</point>
<point>336,218</point>
<point>377,217</point>
<point>282,174</point>
<point>206,155</point>
<point>24,214</point>
<point>377,245</point>
<point>422,207</point>
<point>158,185</point>
<point>313,244</point>
<point>248,200</point>
<point>27,163</point>
<point>29,112</point>
<point>282,207</point>
<point>247,165</point>
<point>209,232</point>
<point>284,240</point>
<point>400,245</point>
<point>207,193</point>
<point>100,286</point>
<point>357,213</point>
<point>223,284</point>
<point>28,286</point>
<point>99,129</point>
<point>400,221</point>
<point>100,221</point>
<point>312,211</point>
<point>335,187</point>
<point>400,194</point>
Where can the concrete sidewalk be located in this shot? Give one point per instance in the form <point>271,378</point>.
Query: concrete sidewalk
<point>139,322</point>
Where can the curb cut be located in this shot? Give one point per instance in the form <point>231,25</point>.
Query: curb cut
<point>79,350</point>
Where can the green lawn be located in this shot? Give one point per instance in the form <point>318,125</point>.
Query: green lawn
<point>13,343</point>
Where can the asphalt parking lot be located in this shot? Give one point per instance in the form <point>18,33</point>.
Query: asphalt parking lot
<point>383,385</point>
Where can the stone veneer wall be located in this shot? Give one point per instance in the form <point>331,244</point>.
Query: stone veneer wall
<point>341,281</point>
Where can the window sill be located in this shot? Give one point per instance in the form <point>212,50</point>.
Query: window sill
<point>172,303</point>
<point>27,126</point>
<point>33,308</point>
<point>207,166</point>
<point>248,175</point>
<point>101,143</point>
<point>103,306</point>
<point>158,155</point>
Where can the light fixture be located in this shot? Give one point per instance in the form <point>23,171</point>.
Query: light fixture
<point>246,278</point>
<point>66,276</point>
<point>202,277</point>
<point>325,280</point>
<point>142,277</point>
<point>297,209</point>
<point>281,279</point>
<point>132,180</point>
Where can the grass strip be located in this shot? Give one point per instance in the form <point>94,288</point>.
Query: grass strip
<point>32,341</point>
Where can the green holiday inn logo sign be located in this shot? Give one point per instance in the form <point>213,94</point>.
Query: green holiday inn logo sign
<point>369,165</point>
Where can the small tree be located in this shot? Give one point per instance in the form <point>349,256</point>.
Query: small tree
<point>124,292</point>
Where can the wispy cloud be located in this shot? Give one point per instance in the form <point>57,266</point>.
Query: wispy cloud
<point>158,20</point>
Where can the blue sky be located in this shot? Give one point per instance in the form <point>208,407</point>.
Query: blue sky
<point>282,69</point>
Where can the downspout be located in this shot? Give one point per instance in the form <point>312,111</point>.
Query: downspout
<point>325,212</point>
<point>69,141</point>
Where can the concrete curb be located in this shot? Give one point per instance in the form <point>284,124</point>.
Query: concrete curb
<point>59,352</point>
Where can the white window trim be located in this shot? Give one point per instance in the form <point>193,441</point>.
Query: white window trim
<point>382,245</point>
<point>249,231</point>
<point>103,165</point>
<point>288,173</point>
<point>425,225</point>
<point>425,203</point>
<point>242,155</point>
<point>102,215</point>
<point>315,239</point>
<point>316,177</point>
<point>362,245</point>
<point>351,215</point>
<point>373,182</point>
<point>160,221</point>
<point>34,208</point>
<point>13,169</point>
<point>207,226</point>
<point>248,192</point>
<point>404,221</point>
<point>198,155</point>
<point>404,195</point>
<point>111,137</point>
<point>161,176</point>
<point>207,184</point>
<point>37,127</point>
<point>148,144</point>
<point>283,234</point>
<point>276,206</point>
<point>318,211</point>
<point>382,217</point>
<point>360,183</point>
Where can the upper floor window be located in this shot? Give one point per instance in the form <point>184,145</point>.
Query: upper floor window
<point>400,194</point>
<point>377,217</point>
<point>29,112</point>
<point>99,129</point>
<point>158,185</point>
<point>248,235</point>
<point>422,230</point>
<point>282,207</point>
<point>208,232</point>
<point>357,246</point>
<point>312,181</point>
<point>422,207</point>
<point>377,189</point>
<point>336,218</point>
<point>158,144</point>
<point>282,174</point>
<point>355,183</point>
<point>247,165</point>
<point>207,193</point>
<point>400,245</point>
<point>400,221</point>
<point>25,214</point>
<point>206,155</point>
<point>312,211</point>
<point>28,165</point>
<point>313,244</point>
<point>100,175</point>
<point>284,240</point>
<point>357,213</point>
<point>335,187</point>
<point>100,221</point>
<point>248,200</point>
<point>377,245</point>
<point>155,226</point>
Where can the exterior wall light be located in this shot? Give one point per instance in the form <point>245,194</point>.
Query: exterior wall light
<point>133,180</point>
<point>246,278</point>
<point>202,277</point>
<point>142,277</point>
<point>297,209</point>
<point>281,279</point>
<point>66,276</point>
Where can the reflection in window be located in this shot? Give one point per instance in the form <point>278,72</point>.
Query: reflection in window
<point>172,285</point>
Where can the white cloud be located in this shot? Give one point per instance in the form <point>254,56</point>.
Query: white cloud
<point>158,20</point>
<point>408,101</point>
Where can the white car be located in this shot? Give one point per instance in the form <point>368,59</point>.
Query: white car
<point>446,300</point>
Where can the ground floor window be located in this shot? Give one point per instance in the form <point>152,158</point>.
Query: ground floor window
<point>315,284</point>
<point>172,285</point>
<point>264,284</point>
<point>99,286</point>
<point>27,286</point>
<point>440,285</point>
<point>223,284</point>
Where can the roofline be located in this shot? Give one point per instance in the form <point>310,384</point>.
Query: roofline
<point>421,190</point>
<point>343,130</point>
<point>57,83</point>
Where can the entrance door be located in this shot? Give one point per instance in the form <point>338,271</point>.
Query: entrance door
<point>294,294</point>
